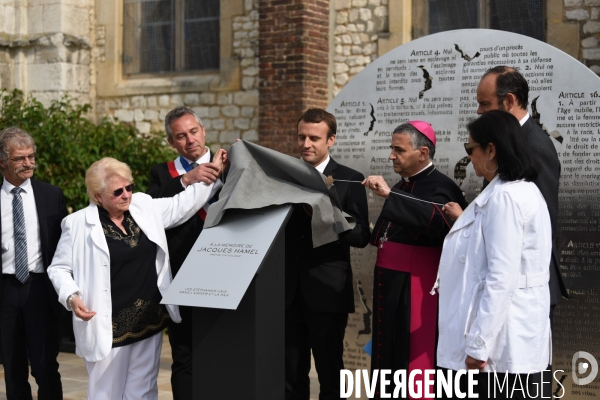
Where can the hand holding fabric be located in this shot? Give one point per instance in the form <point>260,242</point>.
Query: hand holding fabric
<point>207,172</point>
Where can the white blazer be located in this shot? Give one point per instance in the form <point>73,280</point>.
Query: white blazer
<point>493,282</point>
<point>82,261</point>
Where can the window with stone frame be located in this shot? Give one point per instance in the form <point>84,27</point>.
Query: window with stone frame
<point>526,17</point>
<point>164,36</point>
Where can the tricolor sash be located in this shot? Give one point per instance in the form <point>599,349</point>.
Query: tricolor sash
<point>180,166</point>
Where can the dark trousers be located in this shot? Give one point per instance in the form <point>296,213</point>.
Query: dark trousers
<point>180,338</point>
<point>29,329</point>
<point>324,334</point>
<point>391,322</point>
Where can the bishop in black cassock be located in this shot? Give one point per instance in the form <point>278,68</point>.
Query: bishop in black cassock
<point>409,234</point>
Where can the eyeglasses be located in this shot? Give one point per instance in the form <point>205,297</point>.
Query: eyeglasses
<point>470,146</point>
<point>21,159</point>
<point>119,192</point>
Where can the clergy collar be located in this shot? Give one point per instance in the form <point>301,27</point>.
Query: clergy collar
<point>424,172</point>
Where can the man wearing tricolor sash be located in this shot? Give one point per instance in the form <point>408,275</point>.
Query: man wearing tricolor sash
<point>185,133</point>
<point>409,234</point>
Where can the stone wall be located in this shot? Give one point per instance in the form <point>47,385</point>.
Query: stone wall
<point>358,24</point>
<point>586,14</point>
<point>309,50</point>
<point>226,114</point>
<point>45,48</point>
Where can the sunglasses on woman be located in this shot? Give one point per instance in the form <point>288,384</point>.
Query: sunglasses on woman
<point>119,192</point>
<point>470,146</point>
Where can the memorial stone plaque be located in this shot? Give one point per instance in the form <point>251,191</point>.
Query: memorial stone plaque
<point>435,79</point>
<point>223,261</point>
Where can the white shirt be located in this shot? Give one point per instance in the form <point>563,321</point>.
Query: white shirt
<point>321,167</point>
<point>524,119</point>
<point>202,160</point>
<point>32,229</point>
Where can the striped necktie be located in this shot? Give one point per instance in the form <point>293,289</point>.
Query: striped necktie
<point>21,264</point>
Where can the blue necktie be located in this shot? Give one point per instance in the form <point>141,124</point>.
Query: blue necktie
<point>21,264</point>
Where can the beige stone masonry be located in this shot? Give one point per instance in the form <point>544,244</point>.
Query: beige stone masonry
<point>573,27</point>
<point>226,100</point>
<point>357,27</point>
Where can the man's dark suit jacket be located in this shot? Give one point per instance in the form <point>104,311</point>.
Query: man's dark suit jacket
<point>51,209</point>
<point>180,239</point>
<point>323,274</point>
<point>547,181</point>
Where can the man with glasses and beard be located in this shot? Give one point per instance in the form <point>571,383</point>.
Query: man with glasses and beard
<point>29,309</point>
<point>504,88</point>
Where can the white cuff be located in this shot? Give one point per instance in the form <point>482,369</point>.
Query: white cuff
<point>70,299</point>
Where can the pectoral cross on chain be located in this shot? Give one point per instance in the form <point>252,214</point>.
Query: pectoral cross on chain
<point>384,238</point>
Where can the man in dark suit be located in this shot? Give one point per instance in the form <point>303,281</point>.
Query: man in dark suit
<point>504,88</point>
<point>319,290</point>
<point>185,133</point>
<point>29,310</point>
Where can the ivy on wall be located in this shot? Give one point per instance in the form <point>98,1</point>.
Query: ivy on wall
<point>68,143</point>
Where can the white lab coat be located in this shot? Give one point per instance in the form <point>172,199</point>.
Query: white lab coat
<point>493,282</point>
<point>82,261</point>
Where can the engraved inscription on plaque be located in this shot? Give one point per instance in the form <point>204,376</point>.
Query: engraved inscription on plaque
<point>435,79</point>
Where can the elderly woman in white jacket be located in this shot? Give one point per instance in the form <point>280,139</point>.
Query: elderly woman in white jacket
<point>111,268</point>
<point>493,275</point>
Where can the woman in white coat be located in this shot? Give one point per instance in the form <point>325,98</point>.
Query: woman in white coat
<point>493,276</point>
<point>111,269</point>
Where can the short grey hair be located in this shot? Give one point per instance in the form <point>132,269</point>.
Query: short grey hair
<point>100,172</point>
<point>417,139</point>
<point>14,136</point>
<point>177,113</point>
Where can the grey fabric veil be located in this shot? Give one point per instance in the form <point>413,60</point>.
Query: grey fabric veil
<point>259,177</point>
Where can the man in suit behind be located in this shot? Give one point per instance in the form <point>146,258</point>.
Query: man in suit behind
<point>319,289</point>
<point>29,310</point>
<point>185,133</point>
<point>504,88</point>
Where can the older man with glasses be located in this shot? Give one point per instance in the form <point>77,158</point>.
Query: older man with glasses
<point>29,308</point>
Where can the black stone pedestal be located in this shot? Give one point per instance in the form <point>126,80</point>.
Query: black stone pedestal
<point>239,354</point>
